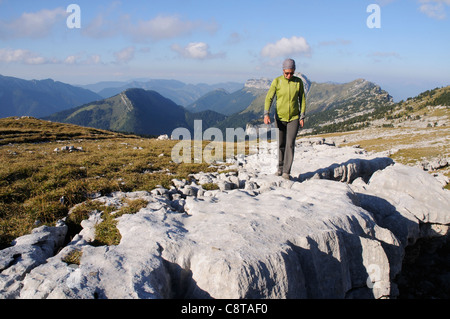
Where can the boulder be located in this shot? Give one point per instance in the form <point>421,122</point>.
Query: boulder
<point>408,201</point>
<point>26,253</point>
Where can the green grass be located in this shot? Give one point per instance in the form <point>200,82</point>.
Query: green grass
<point>106,232</point>
<point>39,186</point>
<point>210,186</point>
<point>73,257</point>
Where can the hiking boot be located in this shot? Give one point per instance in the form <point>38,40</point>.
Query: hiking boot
<point>286,176</point>
<point>279,172</point>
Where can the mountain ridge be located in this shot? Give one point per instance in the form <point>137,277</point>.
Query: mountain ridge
<point>39,97</point>
<point>222,109</point>
<point>327,103</point>
<point>133,110</point>
<point>179,92</point>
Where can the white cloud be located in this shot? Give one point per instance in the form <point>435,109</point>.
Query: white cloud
<point>27,57</point>
<point>71,59</point>
<point>434,8</point>
<point>287,47</point>
<point>195,50</point>
<point>125,55</point>
<point>159,28</point>
<point>21,56</point>
<point>32,25</point>
<point>167,27</point>
<point>99,27</point>
<point>81,59</point>
<point>93,59</point>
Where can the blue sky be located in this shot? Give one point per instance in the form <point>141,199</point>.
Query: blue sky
<point>215,41</point>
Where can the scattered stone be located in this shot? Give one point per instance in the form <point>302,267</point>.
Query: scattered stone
<point>69,149</point>
<point>435,164</point>
<point>189,190</point>
<point>163,137</point>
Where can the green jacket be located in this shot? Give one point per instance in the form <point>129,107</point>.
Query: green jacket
<point>291,102</point>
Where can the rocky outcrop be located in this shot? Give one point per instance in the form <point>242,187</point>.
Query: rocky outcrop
<point>264,83</point>
<point>27,253</point>
<point>434,164</point>
<point>255,236</point>
<point>260,84</point>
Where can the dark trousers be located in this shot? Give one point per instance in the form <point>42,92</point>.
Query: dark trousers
<point>287,132</point>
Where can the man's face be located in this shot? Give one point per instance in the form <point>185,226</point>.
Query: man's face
<point>288,73</point>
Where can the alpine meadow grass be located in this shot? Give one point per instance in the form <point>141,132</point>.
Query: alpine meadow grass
<point>40,182</point>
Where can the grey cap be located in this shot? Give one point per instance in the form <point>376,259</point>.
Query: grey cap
<point>289,64</point>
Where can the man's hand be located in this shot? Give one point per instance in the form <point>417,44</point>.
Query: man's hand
<point>302,122</point>
<point>266,119</point>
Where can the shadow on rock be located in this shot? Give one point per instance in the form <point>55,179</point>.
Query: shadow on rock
<point>349,170</point>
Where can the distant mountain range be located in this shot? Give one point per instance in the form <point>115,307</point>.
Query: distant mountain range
<point>324,102</point>
<point>153,112</point>
<point>39,98</point>
<point>179,92</point>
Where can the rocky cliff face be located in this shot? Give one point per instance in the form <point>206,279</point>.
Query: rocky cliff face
<point>264,83</point>
<point>337,229</point>
<point>260,84</point>
<point>356,96</point>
